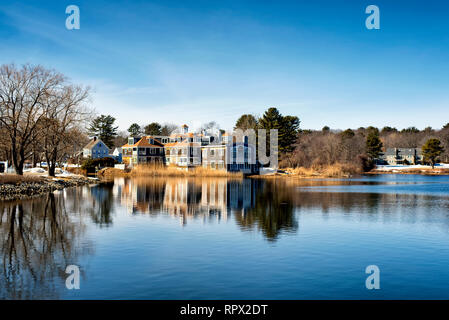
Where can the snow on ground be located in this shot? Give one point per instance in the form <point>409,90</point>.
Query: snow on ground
<point>43,173</point>
<point>266,171</point>
<point>405,167</point>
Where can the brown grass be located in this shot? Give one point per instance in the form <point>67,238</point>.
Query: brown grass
<point>164,171</point>
<point>16,179</point>
<point>151,170</point>
<point>109,173</point>
<point>338,170</point>
<point>76,170</point>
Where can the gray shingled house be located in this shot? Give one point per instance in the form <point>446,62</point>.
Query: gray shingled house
<point>396,156</point>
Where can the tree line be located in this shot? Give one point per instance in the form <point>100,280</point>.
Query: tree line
<point>361,147</point>
<point>357,147</point>
<point>103,127</point>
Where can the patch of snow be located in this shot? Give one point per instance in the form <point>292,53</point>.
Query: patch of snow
<point>397,168</point>
<point>35,170</point>
<point>266,171</point>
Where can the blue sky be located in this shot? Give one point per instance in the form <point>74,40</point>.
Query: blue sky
<point>197,61</point>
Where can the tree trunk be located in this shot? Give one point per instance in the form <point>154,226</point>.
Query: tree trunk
<point>34,159</point>
<point>51,170</point>
<point>18,165</point>
<point>51,164</point>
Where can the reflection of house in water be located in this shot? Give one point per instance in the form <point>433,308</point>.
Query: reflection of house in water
<point>192,199</point>
<point>241,194</point>
<point>141,196</point>
<point>207,199</point>
<point>101,207</point>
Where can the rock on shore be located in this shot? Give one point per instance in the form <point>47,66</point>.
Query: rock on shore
<point>26,189</point>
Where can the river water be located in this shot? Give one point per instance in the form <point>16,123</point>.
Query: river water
<point>183,238</point>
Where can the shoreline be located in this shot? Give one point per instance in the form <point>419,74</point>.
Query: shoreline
<point>23,187</point>
<point>423,173</point>
<point>10,191</point>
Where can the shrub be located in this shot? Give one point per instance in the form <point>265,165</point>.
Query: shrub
<point>365,163</point>
<point>91,164</point>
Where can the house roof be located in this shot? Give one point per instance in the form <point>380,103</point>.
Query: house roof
<point>92,143</point>
<point>171,144</point>
<point>182,144</point>
<point>188,134</point>
<point>144,142</point>
<point>403,151</point>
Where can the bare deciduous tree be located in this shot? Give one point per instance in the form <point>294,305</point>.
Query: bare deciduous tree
<point>37,108</point>
<point>63,112</point>
<point>21,94</point>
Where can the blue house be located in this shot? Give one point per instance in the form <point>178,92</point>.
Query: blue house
<point>95,149</point>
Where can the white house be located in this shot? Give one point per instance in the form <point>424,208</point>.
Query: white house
<point>117,154</point>
<point>95,149</point>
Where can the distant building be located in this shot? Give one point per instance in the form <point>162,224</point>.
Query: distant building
<point>402,156</point>
<point>95,149</point>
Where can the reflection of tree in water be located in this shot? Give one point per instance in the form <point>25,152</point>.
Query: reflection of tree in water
<point>272,210</point>
<point>102,202</point>
<point>37,241</point>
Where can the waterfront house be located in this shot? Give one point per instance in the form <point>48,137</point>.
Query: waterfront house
<point>95,149</point>
<point>403,156</point>
<point>185,154</point>
<point>183,149</point>
<point>233,156</point>
<point>146,150</point>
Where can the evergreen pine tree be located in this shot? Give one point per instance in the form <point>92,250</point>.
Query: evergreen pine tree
<point>373,144</point>
<point>134,130</point>
<point>431,150</point>
<point>103,128</point>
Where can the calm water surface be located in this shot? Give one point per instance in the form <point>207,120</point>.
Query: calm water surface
<point>221,239</point>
